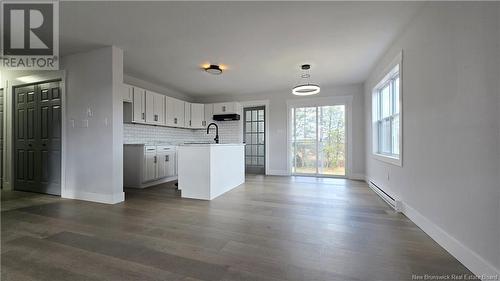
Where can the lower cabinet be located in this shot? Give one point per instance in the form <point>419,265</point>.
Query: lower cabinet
<point>147,165</point>
<point>165,162</point>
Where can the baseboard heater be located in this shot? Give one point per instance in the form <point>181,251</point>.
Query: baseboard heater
<point>394,203</point>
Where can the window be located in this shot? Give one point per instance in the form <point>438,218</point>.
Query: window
<point>387,117</point>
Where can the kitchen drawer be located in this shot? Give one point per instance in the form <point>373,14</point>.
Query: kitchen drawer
<point>150,149</point>
<point>165,148</point>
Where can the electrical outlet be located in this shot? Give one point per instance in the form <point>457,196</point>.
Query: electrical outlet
<point>89,112</point>
<point>85,123</point>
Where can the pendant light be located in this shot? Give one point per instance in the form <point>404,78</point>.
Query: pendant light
<point>306,89</point>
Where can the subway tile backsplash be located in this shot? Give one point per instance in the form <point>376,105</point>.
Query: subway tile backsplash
<point>229,132</point>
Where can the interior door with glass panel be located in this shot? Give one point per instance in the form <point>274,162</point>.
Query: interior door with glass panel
<point>319,140</point>
<point>254,132</point>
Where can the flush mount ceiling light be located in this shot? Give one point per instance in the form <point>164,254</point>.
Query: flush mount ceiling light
<point>306,89</point>
<point>214,69</point>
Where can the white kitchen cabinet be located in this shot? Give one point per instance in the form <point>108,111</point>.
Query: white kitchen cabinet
<point>159,109</point>
<point>128,93</point>
<point>227,108</point>
<point>187,115</point>
<point>150,160</point>
<point>139,105</point>
<point>155,108</point>
<point>197,116</point>
<point>166,161</point>
<point>147,165</point>
<point>218,169</point>
<point>175,112</point>
<point>148,107</point>
<point>194,115</point>
<point>209,114</point>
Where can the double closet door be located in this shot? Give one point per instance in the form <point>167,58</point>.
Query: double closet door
<point>37,140</point>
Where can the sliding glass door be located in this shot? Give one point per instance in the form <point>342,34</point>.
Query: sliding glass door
<point>318,140</point>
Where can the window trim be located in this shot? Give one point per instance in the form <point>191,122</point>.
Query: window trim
<point>387,74</point>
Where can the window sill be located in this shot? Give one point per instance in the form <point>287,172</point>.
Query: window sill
<point>388,159</point>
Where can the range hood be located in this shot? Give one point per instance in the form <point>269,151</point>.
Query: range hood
<point>226,117</point>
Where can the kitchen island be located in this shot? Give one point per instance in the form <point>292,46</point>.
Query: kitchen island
<point>206,171</point>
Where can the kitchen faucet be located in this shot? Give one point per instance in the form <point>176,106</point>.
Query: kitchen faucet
<point>216,139</point>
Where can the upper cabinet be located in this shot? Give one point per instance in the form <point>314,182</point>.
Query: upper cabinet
<point>198,116</point>
<point>128,93</point>
<point>155,108</point>
<point>147,107</point>
<point>209,114</point>
<point>226,108</point>
<point>187,114</point>
<point>194,115</point>
<point>175,112</point>
<point>139,105</point>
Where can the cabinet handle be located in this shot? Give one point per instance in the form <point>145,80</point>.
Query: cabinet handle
<point>166,158</point>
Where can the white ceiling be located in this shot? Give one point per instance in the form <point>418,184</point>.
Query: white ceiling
<point>263,43</point>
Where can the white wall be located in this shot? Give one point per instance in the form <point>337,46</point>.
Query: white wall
<point>94,168</point>
<point>278,123</point>
<point>449,180</point>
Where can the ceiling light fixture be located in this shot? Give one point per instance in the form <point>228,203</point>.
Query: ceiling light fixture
<point>308,88</point>
<point>213,69</point>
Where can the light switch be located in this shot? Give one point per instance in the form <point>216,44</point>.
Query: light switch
<point>72,123</point>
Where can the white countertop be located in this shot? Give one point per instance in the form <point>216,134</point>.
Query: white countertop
<point>212,144</point>
<point>151,144</point>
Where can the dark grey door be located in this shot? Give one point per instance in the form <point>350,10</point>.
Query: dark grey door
<point>37,146</point>
<point>1,138</point>
<point>254,132</point>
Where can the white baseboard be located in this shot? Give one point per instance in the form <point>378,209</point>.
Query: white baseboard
<point>462,253</point>
<point>278,173</point>
<point>95,197</point>
<point>355,176</point>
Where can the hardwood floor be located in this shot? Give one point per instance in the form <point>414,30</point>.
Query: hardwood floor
<point>270,228</point>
